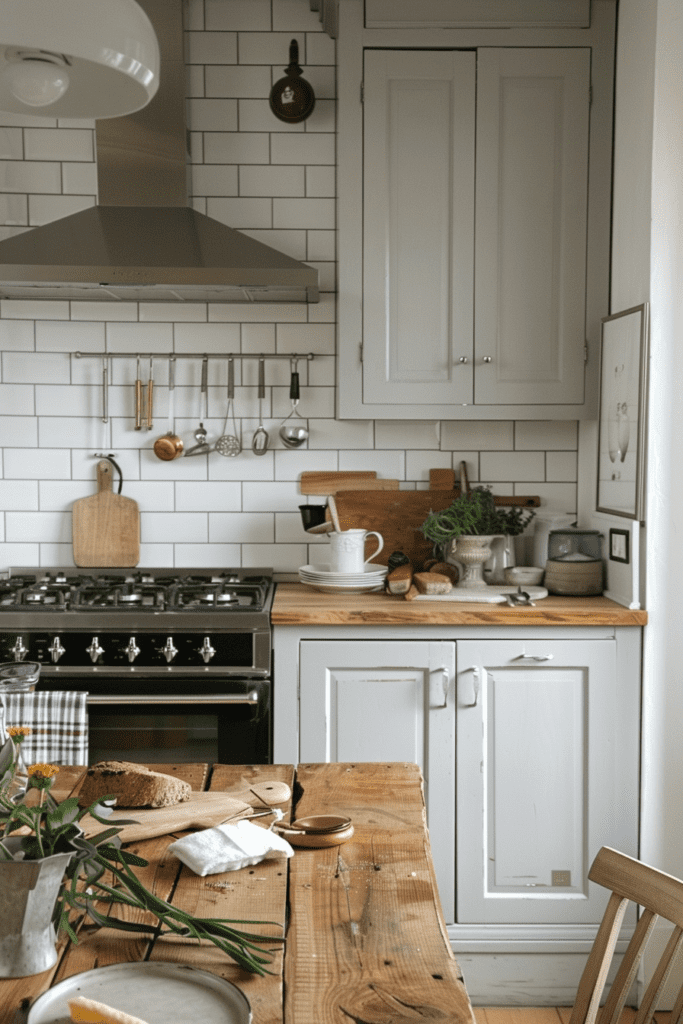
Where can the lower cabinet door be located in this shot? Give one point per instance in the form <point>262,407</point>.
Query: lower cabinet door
<point>387,701</point>
<point>539,788</point>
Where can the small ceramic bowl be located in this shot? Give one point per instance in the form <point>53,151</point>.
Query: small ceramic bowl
<point>523,575</point>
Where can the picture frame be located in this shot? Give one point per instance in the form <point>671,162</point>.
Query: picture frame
<point>622,416</point>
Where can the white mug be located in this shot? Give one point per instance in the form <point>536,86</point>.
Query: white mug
<point>347,550</point>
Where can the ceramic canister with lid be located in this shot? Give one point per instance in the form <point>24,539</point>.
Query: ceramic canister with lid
<point>574,566</point>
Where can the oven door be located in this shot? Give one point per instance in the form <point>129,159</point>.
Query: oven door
<point>182,719</point>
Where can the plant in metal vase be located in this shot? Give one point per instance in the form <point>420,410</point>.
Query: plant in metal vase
<point>37,834</point>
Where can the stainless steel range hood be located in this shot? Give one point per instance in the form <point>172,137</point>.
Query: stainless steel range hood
<point>142,242</point>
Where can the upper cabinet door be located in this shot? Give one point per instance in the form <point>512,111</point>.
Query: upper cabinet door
<point>531,220</point>
<point>418,229</point>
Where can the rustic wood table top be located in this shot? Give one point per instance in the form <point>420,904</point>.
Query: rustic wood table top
<point>365,938</point>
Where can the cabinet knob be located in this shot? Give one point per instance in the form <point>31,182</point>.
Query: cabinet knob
<point>487,359</point>
<point>463,359</point>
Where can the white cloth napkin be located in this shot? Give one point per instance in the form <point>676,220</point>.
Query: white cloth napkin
<point>228,847</point>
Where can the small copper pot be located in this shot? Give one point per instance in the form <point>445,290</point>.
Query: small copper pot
<point>168,447</point>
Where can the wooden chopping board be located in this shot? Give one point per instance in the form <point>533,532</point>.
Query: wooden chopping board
<point>106,526</point>
<point>397,515</point>
<point>318,482</point>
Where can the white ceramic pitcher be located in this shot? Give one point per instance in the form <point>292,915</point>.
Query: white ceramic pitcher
<point>347,550</point>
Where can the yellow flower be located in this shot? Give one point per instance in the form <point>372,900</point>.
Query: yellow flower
<point>18,732</point>
<point>42,771</point>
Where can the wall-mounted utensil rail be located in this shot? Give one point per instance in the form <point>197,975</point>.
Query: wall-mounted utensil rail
<point>194,355</point>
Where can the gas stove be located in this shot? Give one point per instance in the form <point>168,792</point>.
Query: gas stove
<point>149,618</point>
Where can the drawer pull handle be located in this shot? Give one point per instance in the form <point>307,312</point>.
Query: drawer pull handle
<point>475,689</point>
<point>533,657</point>
<point>444,682</point>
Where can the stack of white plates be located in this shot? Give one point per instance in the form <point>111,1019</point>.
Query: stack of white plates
<point>320,577</point>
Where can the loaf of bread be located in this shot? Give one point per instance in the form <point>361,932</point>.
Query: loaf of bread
<point>89,1011</point>
<point>133,785</point>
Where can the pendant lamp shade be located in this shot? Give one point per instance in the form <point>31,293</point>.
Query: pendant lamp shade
<point>76,58</point>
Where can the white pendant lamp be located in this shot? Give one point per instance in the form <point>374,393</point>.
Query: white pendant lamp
<point>76,58</point>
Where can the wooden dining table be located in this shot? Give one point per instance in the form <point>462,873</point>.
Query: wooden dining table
<point>365,940</point>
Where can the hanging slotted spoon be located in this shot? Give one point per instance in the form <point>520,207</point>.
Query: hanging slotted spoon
<point>259,442</point>
<point>229,444</point>
<point>202,447</point>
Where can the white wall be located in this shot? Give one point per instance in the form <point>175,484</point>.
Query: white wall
<point>277,182</point>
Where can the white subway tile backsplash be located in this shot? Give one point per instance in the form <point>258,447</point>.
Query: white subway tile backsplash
<point>24,309</point>
<point>245,466</point>
<point>210,115</point>
<point>561,466</point>
<point>68,400</point>
<point>322,246</point>
<point>292,243</point>
<point>30,176</point>
<point>271,47</point>
<point>280,557</point>
<point>216,496</point>
<point>204,338</point>
<point>307,149</point>
<point>104,311</point>
<point>407,434</point>
<point>496,435</point>
<point>55,555</point>
<point>18,431</point>
<point>258,312</point>
<point>546,434</point>
<point>67,432</point>
<point>17,399</point>
<point>152,496</point>
<point>323,118</point>
<point>291,14</point>
<point>11,144</point>
<point>137,337</point>
<point>387,464</point>
<point>342,434</point>
<point>238,15</point>
<point>84,465</point>
<point>258,338</point>
<point>304,213</point>
<point>207,556</point>
<point>320,181</point>
<point>31,527</point>
<point>59,495</point>
<point>241,527</point>
<point>17,335</point>
<point>320,49</point>
<point>37,464</point>
<point>238,82</point>
<point>43,209</point>
<point>18,554</point>
<point>269,497</point>
<point>560,497</point>
<point>35,368</point>
<point>236,148</point>
<point>327,275</point>
<point>255,115</point>
<point>58,144</point>
<point>289,530</point>
<point>174,527</point>
<point>323,81</point>
<point>242,213</point>
<point>195,79</point>
<point>512,466</point>
<point>271,181</point>
<point>291,463</point>
<point>157,556</point>
<point>67,336</point>
<point>418,464</point>
<point>79,179</point>
<point>316,338</point>
<point>215,47</point>
<point>214,180</point>
<point>13,209</point>
<point>152,468</point>
<point>18,495</point>
<point>157,312</point>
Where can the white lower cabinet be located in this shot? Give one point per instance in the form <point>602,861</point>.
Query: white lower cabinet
<point>529,747</point>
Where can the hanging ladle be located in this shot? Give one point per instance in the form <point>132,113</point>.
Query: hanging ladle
<point>259,442</point>
<point>229,444</point>
<point>294,434</point>
<point>202,448</point>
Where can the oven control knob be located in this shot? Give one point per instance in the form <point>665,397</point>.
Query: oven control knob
<point>168,651</point>
<point>95,650</point>
<point>206,650</point>
<point>19,651</point>
<point>132,650</point>
<point>56,650</point>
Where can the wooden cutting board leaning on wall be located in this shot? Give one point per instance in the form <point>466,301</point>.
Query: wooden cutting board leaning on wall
<point>106,526</point>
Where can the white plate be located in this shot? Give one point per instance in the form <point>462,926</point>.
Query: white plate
<point>344,581</point>
<point>324,570</point>
<point>157,992</point>
<point>335,588</point>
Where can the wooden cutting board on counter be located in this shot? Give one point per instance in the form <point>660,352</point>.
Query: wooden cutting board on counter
<point>106,526</point>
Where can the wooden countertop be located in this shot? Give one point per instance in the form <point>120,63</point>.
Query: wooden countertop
<point>298,605</point>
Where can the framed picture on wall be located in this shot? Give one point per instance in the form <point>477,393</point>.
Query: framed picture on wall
<point>623,413</point>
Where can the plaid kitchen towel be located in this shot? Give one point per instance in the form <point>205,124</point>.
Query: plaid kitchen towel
<point>58,721</point>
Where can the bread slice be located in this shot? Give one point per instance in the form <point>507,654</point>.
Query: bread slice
<point>133,785</point>
<point>89,1011</point>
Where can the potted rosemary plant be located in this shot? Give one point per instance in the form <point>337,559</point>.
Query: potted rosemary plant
<point>49,869</point>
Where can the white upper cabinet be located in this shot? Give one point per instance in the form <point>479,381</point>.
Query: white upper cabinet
<point>473,227</point>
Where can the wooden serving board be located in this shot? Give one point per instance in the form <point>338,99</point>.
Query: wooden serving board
<point>397,515</point>
<point>331,483</point>
<point>444,479</point>
<point>106,526</point>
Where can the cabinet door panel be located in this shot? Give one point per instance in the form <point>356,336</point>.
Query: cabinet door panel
<point>418,226</point>
<point>387,701</point>
<point>536,779</point>
<point>531,223</point>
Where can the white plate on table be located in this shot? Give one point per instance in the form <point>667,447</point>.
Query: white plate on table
<point>343,588</point>
<point>156,992</point>
<point>324,573</point>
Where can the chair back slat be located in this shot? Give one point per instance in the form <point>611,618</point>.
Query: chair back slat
<point>625,976</point>
<point>595,972</point>
<point>659,978</point>
<point>640,883</point>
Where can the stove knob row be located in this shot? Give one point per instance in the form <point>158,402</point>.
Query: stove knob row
<point>94,650</point>
<point>56,650</point>
<point>132,650</point>
<point>168,650</point>
<point>206,650</point>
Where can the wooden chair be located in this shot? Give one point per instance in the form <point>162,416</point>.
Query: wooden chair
<point>660,895</point>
